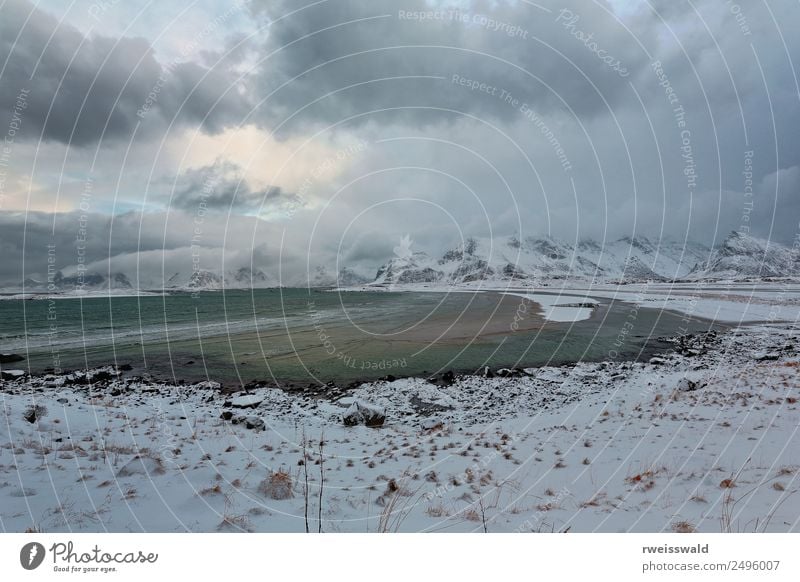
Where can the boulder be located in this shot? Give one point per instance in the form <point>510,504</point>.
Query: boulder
<point>12,374</point>
<point>247,401</point>
<point>432,423</point>
<point>363,413</point>
<point>687,385</point>
<point>254,423</point>
<point>10,358</point>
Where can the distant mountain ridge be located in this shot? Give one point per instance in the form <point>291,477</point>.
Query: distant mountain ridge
<point>532,260</point>
<point>628,259</point>
<point>194,280</point>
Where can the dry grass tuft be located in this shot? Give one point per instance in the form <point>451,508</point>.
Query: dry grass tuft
<point>214,490</point>
<point>472,515</point>
<point>437,511</point>
<point>277,486</point>
<point>683,527</point>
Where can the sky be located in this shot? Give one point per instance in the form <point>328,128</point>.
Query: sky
<point>155,138</point>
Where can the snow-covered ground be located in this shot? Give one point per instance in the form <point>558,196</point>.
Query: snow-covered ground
<point>705,438</point>
<point>725,302</point>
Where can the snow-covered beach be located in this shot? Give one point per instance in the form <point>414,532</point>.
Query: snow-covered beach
<point>702,438</point>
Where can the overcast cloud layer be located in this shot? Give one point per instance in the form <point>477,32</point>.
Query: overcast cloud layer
<point>286,135</point>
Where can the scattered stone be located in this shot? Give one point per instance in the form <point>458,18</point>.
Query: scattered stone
<point>209,385</point>
<point>687,385</point>
<point>766,356</point>
<point>254,423</point>
<point>363,413</point>
<point>226,415</point>
<point>511,373</point>
<point>656,361</point>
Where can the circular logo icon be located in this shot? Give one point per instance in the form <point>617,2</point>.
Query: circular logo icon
<point>31,555</point>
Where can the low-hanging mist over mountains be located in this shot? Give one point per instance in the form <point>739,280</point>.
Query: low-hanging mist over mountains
<point>530,261</point>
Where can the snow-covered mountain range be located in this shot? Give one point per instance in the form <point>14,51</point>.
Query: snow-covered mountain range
<point>533,260</point>
<point>624,260</point>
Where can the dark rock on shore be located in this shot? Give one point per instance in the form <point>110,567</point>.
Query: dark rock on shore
<point>10,358</point>
<point>363,413</point>
<point>511,373</point>
<point>12,374</point>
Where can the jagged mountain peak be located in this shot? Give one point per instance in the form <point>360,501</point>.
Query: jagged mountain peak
<point>204,280</point>
<point>630,258</point>
<point>742,256</point>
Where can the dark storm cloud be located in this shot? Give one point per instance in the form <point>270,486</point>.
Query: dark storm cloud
<point>82,89</point>
<point>732,74</point>
<point>364,56</point>
<point>222,187</point>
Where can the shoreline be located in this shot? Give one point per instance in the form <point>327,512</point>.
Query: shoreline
<point>307,366</point>
<point>652,347</point>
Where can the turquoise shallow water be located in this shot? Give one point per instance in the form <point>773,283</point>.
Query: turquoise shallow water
<point>312,336</point>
